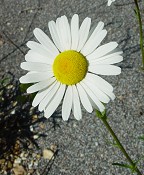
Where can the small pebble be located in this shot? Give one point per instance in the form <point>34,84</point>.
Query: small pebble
<point>1,42</point>
<point>24,158</point>
<point>30,172</point>
<point>14,103</point>
<point>10,86</point>
<point>30,146</point>
<point>34,154</point>
<point>35,116</point>
<point>22,154</point>
<point>53,147</point>
<point>19,170</point>
<point>42,126</point>
<point>36,163</point>
<point>26,154</point>
<point>31,128</point>
<point>48,154</point>
<point>13,111</point>
<point>30,165</point>
<point>18,160</point>
<point>96,143</point>
<point>74,125</point>
<point>35,136</point>
<point>2,161</point>
<point>8,23</point>
<point>9,164</point>
<point>5,173</point>
<point>38,156</point>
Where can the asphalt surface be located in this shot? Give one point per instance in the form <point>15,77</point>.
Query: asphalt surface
<point>83,145</point>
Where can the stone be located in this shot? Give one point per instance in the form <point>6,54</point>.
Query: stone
<point>19,170</point>
<point>48,154</point>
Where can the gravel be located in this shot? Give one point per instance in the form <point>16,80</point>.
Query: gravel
<point>83,146</point>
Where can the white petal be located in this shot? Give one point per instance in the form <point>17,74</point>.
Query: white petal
<point>93,42</point>
<point>35,77</point>
<point>54,35</point>
<point>101,84</point>
<point>50,94</point>
<point>117,51</point>
<point>41,85</point>
<point>45,41</point>
<point>40,67</point>
<point>41,94</point>
<point>84,98</point>
<point>93,103</point>
<point>84,32</point>
<point>110,1</point>
<point>93,97</point>
<point>76,104</point>
<point>55,101</point>
<point>63,30</point>
<point>38,48</point>
<point>105,69</point>
<point>74,31</point>
<point>98,93</point>
<point>67,104</point>
<point>66,32</point>
<point>109,59</point>
<point>111,95</point>
<point>32,56</point>
<point>102,50</point>
<point>95,29</point>
<point>59,26</point>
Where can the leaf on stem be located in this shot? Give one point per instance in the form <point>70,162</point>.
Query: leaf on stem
<point>23,97</point>
<point>136,12</point>
<point>141,137</point>
<point>4,82</point>
<point>123,165</point>
<point>23,87</point>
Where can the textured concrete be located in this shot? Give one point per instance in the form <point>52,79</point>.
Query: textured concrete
<point>83,147</point>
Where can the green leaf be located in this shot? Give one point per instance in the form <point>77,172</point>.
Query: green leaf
<point>21,99</point>
<point>113,143</point>
<point>136,13</point>
<point>23,87</point>
<point>123,165</point>
<point>4,81</point>
<point>132,168</point>
<point>24,97</point>
<point>141,137</point>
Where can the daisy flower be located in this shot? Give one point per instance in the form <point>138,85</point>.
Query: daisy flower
<point>67,68</point>
<point>110,2</point>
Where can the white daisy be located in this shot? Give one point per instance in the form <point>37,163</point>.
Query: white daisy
<point>110,2</point>
<point>67,68</point>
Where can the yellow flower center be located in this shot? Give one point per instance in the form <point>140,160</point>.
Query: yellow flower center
<point>70,67</point>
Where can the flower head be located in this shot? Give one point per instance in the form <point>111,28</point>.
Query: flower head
<point>67,68</point>
<point>110,2</point>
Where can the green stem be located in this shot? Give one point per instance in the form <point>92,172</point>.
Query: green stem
<point>141,31</point>
<point>119,144</point>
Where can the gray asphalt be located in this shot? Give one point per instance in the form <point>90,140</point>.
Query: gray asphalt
<point>83,147</point>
